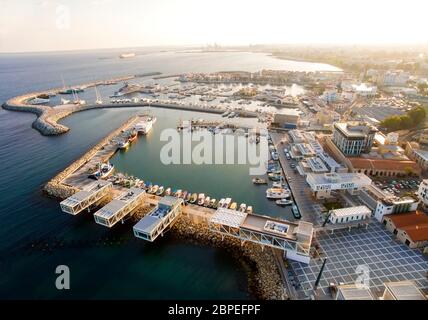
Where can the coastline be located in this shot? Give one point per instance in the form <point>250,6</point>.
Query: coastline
<point>264,280</point>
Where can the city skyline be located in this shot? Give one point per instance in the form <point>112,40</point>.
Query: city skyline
<point>83,25</point>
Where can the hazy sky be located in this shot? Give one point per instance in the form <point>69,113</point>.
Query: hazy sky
<point>35,25</point>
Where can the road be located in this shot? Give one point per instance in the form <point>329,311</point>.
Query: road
<point>298,186</point>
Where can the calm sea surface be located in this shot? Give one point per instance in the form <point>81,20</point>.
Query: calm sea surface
<point>35,237</point>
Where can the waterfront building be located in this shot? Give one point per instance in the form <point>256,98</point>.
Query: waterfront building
<point>410,228</point>
<point>402,290</point>
<point>120,207</point>
<point>287,118</point>
<point>159,219</point>
<point>322,184</point>
<point>383,203</point>
<point>353,138</point>
<point>351,214</point>
<point>420,157</point>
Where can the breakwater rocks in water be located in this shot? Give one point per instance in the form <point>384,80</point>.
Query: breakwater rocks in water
<point>47,117</point>
<point>264,278</point>
<point>55,187</point>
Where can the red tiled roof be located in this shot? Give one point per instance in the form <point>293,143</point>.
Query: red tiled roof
<point>415,224</point>
<point>382,164</point>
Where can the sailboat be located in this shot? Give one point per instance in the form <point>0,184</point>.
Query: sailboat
<point>77,100</point>
<point>98,97</point>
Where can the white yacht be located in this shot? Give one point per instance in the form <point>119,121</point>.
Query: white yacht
<point>277,193</point>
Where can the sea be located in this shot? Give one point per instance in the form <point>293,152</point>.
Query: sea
<point>36,237</point>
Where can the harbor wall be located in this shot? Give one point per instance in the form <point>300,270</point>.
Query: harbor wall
<point>56,188</point>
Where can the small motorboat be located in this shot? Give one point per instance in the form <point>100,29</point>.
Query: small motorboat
<point>242,207</point>
<point>168,192</point>
<point>284,202</point>
<point>207,202</point>
<point>178,193</point>
<point>249,209</point>
<point>160,191</point>
<point>155,189</point>
<point>201,199</point>
<point>233,206</point>
<point>193,198</point>
<point>227,202</point>
<point>259,181</point>
<point>212,203</point>
<point>220,204</point>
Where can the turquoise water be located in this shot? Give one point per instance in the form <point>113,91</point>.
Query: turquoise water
<point>35,237</point>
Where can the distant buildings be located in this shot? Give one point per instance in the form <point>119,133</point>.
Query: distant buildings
<point>410,228</point>
<point>287,118</point>
<point>394,78</point>
<point>353,138</point>
<point>329,95</point>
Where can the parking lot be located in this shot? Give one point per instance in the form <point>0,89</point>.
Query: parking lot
<point>397,186</point>
<point>374,248</point>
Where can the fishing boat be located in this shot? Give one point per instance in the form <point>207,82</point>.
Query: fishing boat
<point>275,155</point>
<point>233,206</point>
<point>193,198</point>
<point>277,184</point>
<point>207,201</point>
<point>227,202</point>
<point>65,101</point>
<point>160,191</point>
<point>212,203</point>
<point>277,193</point>
<point>284,202</point>
<point>201,199</point>
<point>259,181</point>
<point>184,195</point>
<point>188,196</point>
<point>178,193</point>
<point>41,99</point>
<point>220,204</point>
<point>123,144</point>
<point>155,189</point>
<point>168,192</point>
<point>132,136</point>
<point>296,212</point>
<point>103,171</point>
<point>274,176</point>
<point>249,209</point>
<point>242,207</point>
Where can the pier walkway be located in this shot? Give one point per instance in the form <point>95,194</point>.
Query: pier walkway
<point>83,199</point>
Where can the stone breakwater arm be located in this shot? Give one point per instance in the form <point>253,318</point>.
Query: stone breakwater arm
<point>56,188</point>
<point>47,117</point>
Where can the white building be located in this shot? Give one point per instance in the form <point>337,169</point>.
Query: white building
<point>383,203</point>
<point>322,184</point>
<point>394,78</point>
<point>349,214</point>
<point>365,91</point>
<point>423,192</point>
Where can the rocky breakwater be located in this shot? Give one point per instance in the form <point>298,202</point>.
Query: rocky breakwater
<point>263,275</point>
<point>47,117</point>
<point>56,188</point>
